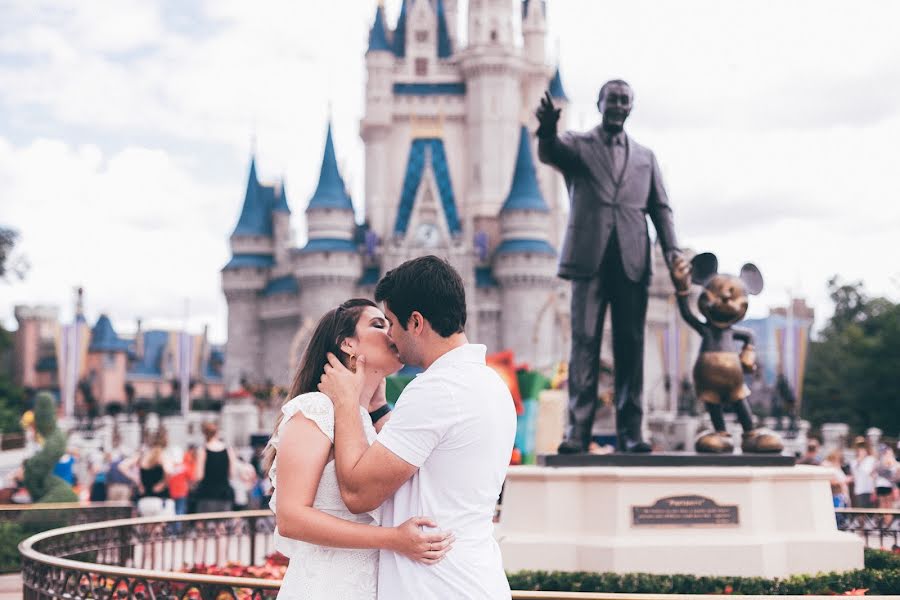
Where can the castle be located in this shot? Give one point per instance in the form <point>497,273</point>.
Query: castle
<point>95,364</point>
<point>451,170</point>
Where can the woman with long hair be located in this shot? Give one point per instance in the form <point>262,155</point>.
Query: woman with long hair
<point>153,491</point>
<point>334,553</point>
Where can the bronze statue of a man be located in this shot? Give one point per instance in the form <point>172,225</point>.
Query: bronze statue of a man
<point>614,183</point>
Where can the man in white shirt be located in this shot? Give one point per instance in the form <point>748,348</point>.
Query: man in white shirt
<point>444,450</point>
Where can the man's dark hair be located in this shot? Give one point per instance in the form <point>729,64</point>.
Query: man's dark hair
<point>427,284</point>
<point>609,83</point>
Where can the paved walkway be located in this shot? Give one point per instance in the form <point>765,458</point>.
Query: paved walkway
<point>11,587</point>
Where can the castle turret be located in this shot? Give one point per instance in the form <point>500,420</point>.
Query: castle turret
<point>492,67</point>
<point>330,259</point>
<point>534,30</point>
<point>245,275</point>
<point>375,127</point>
<point>525,265</point>
<point>106,362</point>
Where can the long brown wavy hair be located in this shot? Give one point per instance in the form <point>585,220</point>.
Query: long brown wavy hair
<point>332,329</point>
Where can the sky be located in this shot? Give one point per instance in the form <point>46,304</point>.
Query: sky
<point>126,129</point>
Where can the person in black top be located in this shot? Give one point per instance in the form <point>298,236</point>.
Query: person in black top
<point>215,467</point>
<point>153,493</point>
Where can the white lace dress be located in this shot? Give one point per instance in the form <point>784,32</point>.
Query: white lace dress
<point>315,571</point>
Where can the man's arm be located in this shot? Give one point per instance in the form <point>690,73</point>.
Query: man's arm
<point>553,149</point>
<point>661,213</point>
<point>367,475</point>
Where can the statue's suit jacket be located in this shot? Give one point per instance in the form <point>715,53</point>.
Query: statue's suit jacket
<point>604,202</point>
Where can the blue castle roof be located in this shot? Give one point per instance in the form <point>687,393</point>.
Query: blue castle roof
<point>556,87</point>
<point>328,245</point>
<point>105,339</point>
<point>258,261</point>
<point>281,285</point>
<point>444,46</point>
<point>484,278</point>
<point>280,203</point>
<point>400,33</point>
<point>415,166</point>
<point>331,191</point>
<point>378,34</point>
<point>150,364</point>
<point>524,194</point>
<point>523,246</point>
<point>256,214</point>
<point>370,276</point>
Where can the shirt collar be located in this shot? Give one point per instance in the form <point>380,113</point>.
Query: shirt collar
<point>467,353</point>
<point>617,139</point>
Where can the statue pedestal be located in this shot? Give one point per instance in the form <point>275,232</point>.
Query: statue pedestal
<point>766,521</point>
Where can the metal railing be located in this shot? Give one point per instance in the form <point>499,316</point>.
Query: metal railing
<point>19,521</point>
<point>880,528</point>
<point>62,514</point>
<point>148,558</point>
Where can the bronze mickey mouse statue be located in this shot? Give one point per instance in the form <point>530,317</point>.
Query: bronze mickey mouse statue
<point>720,368</point>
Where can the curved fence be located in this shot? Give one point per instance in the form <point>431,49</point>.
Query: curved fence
<point>19,521</point>
<point>150,558</point>
<point>167,558</point>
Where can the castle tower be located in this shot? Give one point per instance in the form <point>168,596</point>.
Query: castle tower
<point>243,278</point>
<point>329,266</point>
<point>534,30</point>
<point>525,266</point>
<point>106,362</point>
<point>375,127</point>
<point>492,67</point>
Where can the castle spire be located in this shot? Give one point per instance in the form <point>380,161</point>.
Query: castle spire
<point>255,219</point>
<point>444,46</point>
<point>400,33</point>
<point>524,194</point>
<point>331,191</point>
<point>378,35</point>
<point>556,88</point>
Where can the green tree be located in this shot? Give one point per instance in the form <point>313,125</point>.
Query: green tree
<point>10,263</point>
<point>853,373</point>
<point>42,484</point>
<point>12,397</point>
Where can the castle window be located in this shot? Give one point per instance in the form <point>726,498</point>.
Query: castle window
<point>493,35</point>
<point>421,66</point>
<point>422,36</point>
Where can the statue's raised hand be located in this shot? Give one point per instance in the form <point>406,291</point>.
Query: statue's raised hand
<point>547,115</point>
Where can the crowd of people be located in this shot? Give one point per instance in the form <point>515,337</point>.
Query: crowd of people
<point>869,477</point>
<point>161,479</point>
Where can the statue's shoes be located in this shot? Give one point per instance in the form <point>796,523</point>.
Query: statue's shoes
<point>571,447</point>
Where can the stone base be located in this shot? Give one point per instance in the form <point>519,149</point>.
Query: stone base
<point>734,521</point>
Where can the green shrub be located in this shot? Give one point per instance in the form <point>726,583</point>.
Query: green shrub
<point>882,576</point>
<point>10,536</point>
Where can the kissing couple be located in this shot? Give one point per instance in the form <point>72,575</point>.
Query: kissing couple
<point>378,503</point>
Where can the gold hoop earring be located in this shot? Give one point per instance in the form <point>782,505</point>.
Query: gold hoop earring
<point>353,363</point>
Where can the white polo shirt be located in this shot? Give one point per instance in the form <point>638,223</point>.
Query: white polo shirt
<point>456,422</point>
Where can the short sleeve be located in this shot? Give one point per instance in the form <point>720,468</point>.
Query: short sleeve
<point>423,415</point>
<point>316,407</point>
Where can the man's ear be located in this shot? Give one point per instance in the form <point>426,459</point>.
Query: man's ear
<point>417,322</point>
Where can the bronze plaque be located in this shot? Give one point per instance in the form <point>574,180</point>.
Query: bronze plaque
<point>685,511</point>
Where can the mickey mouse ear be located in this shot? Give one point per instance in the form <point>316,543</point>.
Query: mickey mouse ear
<point>752,278</point>
<point>704,266</point>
